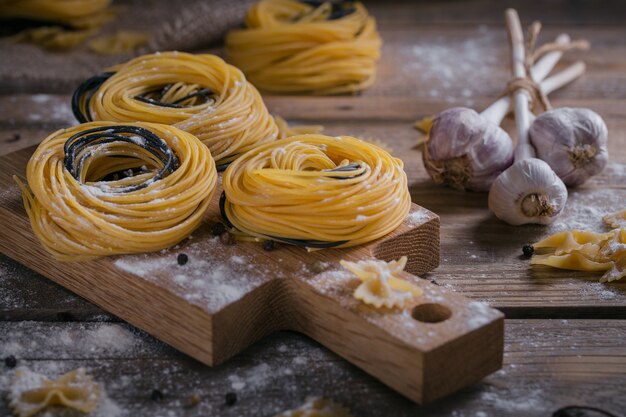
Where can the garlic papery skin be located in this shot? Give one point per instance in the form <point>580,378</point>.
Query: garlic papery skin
<point>573,141</point>
<point>466,150</point>
<point>528,192</point>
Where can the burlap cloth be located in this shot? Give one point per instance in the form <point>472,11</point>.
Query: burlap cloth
<point>174,25</point>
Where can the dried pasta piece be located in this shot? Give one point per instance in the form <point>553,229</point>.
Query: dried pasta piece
<point>31,392</point>
<point>381,284</point>
<point>616,220</point>
<point>424,125</point>
<point>575,260</point>
<point>585,251</point>
<point>571,239</point>
<point>317,407</point>
<point>120,42</point>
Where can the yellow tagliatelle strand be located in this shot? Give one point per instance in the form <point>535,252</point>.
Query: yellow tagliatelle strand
<point>292,47</point>
<point>316,191</point>
<point>92,213</point>
<point>227,114</point>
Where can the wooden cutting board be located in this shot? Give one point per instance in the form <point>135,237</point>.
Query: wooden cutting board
<point>228,296</point>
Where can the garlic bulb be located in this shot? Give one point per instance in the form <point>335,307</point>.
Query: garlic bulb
<point>466,150</point>
<point>572,141</point>
<point>528,192</point>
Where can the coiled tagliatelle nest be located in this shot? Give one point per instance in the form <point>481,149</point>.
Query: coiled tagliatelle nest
<point>105,188</point>
<point>290,46</point>
<point>200,94</point>
<point>316,191</point>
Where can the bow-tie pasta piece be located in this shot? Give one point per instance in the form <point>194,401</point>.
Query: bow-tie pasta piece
<point>31,392</point>
<point>317,407</point>
<point>381,283</point>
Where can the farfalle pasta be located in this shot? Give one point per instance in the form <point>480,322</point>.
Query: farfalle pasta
<point>616,220</point>
<point>382,284</point>
<point>317,407</point>
<point>585,251</point>
<point>31,393</point>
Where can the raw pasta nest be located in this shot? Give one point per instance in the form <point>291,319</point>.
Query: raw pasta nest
<point>290,46</point>
<point>106,188</point>
<point>200,94</point>
<point>316,191</point>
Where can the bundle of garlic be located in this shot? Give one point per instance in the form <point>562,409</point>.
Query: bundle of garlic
<point>562,146</point>
<point>528,191</point>
<point>468,150</point>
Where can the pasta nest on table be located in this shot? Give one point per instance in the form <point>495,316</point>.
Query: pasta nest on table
<point>200,94</point>
<point>316,191</point>
<point>317,47</point>
<point>106,188</point>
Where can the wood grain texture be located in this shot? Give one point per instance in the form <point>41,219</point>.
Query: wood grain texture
<point>548,364</point>
<point>389,345</point>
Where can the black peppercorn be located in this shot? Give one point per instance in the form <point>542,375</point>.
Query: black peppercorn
<point>218,229</point>
<point>156,395</point>
<point>528,251</point>
<point>182,259</point>
<point>268,245</point>
<point>10,361</point>
<point>230,398</point>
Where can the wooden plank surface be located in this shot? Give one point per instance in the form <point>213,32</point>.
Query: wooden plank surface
<point>549,364</point>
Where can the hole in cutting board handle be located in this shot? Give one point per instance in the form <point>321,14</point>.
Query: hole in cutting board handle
<point>431,313</point>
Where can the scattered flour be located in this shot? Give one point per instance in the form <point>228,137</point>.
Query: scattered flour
<point>480,314</point>
<point>213,277</point>
<point>456,64</point>
<point>584,209</point>
<point>418,217</point>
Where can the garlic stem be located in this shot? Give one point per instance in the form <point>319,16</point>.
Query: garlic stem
<point>563,77</point>
<point>521,98</point>
<point>500,108</point>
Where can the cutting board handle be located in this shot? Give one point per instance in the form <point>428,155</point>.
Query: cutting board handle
<point>440,344</point>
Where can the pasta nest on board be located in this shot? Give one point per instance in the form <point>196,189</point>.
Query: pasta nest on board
<point>106,188</point>
<point>316,191</point>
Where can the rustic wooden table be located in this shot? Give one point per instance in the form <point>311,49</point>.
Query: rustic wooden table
<point>565,332</point>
